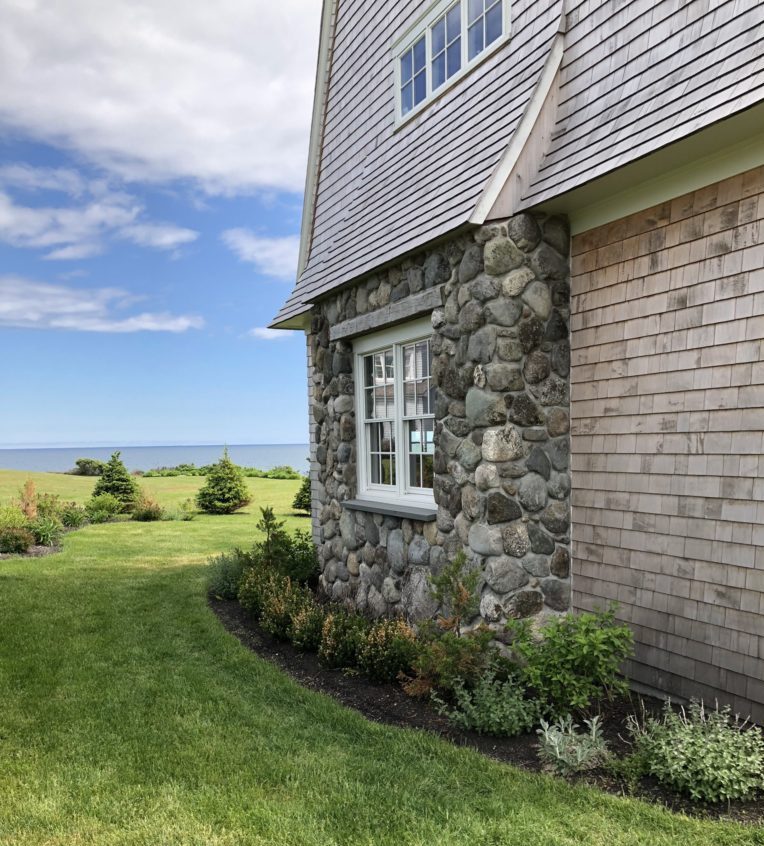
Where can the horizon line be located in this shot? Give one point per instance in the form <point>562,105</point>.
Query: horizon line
<point>82,445</point>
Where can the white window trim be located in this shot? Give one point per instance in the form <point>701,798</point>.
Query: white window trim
<point>423,27</point>
<point>399,494</point>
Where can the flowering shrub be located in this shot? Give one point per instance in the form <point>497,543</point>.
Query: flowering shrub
<point>387,650</point>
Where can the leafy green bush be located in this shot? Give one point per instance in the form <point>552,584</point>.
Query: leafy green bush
<point>707,754</point>
<point>454,589</point>
<point>494,705</point>
<point>301,499</point>
<point>225,490</point>
<point>102,508</point>
<point>566,751</point>
<point>292,556</point>
<point>446,661</point>
<point>88,467</point>
<point>49,505</point>
<point>73,516</point>
<point>226,573</point>
<point>307,625</point>
<point>15,539</point>
<point>281,472</point>
<point>388,649</point>
<point>342,635</point>
<point>47,531</point>
<point>116,480</point>
<point>254,585</point>
<point>147,510</point>
<point>575,661</point>
<point>282,599</point>
<point>12,517</point>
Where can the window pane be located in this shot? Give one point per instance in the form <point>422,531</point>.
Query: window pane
<point>438,71</point>
<point>420,56</point>
<point>427,471</point>
<point>474,10</point>
<point>475,38</point>
<point>406,69</point>
<point>422,359</point>
<point>454,57</point>
<point>389,368</point>
<point>388,470</point>
<point>454,22</point>
<point>420,87</point>
<point>428,436</point>
<point>493,23</point>
<point>415,471</point>
<point>438,37</point>
<point>407,98</point>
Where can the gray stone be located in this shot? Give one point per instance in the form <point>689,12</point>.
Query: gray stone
<point>484,288</point>
<point>547,263</point>
<point>557,233</point>
<point>347,427</point>
<point>444,520</point>
<point>503,312</point>
<point>462,527</point>
<point>502,444</point>
<point>448,442</point>
<point>556,594</point>
<point>419,551</point>
<point>560,563</point>
<point>486,476</point>
<point>509,349</point>
<point>396,551</point>
<point>536,367</point>
<point>375,603</point>
<point>437,559</point>
<point>485,540</point>
<point>391,590</point>
<point>535,434</point>
<point>558,451</point>
<point>348,529</point>
<point>472,503</point>
<point>343,404</point>
<point>479,377</point>
<point>526,603</point>
<point>559,486</point>
<point>530,334</point>
<point>556,328</point>
<point>503,574</point>
<point>513,284</point>
<point>482,344</point>
<point>340,591</point>
<point>484,408</point>
<point>468,454</point>
<point>532,492</point>
<point>556,517</point>
<point>524,231</point>
<point>460,427</point>
<point>471,263</point>
<point>541,543</point>
<point>371,529</point>
<point>430,532</point>
<point>436,270</point>
<point>538,298</point>
<point>344,452</point>
<point>557,422</point>
<point>501,255</point>
<point>538,462</point>
<point>438,318</point>
<point>471,316</point>
<point>515,538</point>
<point>561,359</point>
<point>552,391</point>
<point>501,509</point>
<point>524,411</point>
<point>537,565</point>
<point>491,608</point>
<point>417,599</point>
<point>504,377</point>
<point>400,292</point>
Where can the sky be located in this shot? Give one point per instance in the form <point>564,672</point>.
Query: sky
<point>152,163</point>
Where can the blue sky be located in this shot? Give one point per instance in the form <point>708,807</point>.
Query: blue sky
<point>152,156</point>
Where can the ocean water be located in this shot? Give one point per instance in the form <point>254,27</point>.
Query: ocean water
<point>61,459</point>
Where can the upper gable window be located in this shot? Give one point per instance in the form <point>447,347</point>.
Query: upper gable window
<point>442,46</point>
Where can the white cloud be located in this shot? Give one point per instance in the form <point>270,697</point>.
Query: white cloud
<point>31,178</point>
<point>27,304</point>
<point>271,256</point>
<point>157,235</point>
<point>265,334</point>
<point>216,93</point>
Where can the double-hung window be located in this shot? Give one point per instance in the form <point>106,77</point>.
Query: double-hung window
<point>446,42</point>
<point>396,420</point>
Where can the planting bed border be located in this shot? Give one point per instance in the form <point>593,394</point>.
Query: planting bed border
<point>389,705</point>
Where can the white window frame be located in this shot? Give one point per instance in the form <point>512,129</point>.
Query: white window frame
<point>423,26</point>
<point>397,337</point>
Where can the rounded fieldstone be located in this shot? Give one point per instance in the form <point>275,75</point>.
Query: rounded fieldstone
<point>486,476</point>
<point>501,255</point>
<point>485,540</point>
<point>547,263</point>
<point>509,349</point>
<point>526,603</point>
<point>348,529</point>
<point>536,565</point>
<point>516,541</point>
<point>462,528</point>
<point>557,422</point>
<point>513,284</point>
<point>561,359</point>
<point>471,263</point>
<point>556,593</point>
<point>460,427</point>
<point>560,563</point>
<point>340,591</point>
<point>501,509</point>
<point>468,454</point>
<point>524,411</point>
<point>438,318</point>
<point>484,288</point>
<point>415,278</point>
<point>347,427</point>
<point>472,504</point>
<point>559,453</point>
<point>524,231</point>
<point>375,603</point>
<point>482,344</point>
<point>536,367</point>
<point>556,328</point>
<point>491,608</point>
<point>556,517</point>
<point>559,486</point>
<point>538,462</point>
<point>396,551</point>
<point>448,442</point>
<point>503,312</point>
<point>479,378</point>
<point>503,574</point>
<point>484,408</point>
<point>504,377</point>
<point>557,233</point>
<point>541,543</point>
<point>471,316</point>
<point>532,492</point>
<point>344,452</point>
<point>419,551</point>
<point>444,521</point>
<point>416,598</point>
<point>437,559</point>
<point>436,270</point>
<point>530,334</point>
<point>502,444</point>
<point>552,391</point>
<point>391,590</point>
<point>538,298</point>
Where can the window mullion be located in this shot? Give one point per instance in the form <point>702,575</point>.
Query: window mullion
<point>400,449</point>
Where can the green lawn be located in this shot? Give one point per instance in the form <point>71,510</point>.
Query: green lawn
<point>130,716</point>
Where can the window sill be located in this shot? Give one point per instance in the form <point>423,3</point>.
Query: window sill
<point>423,513</point>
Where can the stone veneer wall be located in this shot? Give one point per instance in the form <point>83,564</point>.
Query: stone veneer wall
<point>668,437</point>
<point>501,365</point>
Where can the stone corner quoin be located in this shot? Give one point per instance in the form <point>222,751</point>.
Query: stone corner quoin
<point>501,364</point>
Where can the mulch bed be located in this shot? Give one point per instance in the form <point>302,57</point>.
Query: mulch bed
<point>389,705</point>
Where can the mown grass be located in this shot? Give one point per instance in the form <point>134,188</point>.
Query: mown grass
<point>129,716</point>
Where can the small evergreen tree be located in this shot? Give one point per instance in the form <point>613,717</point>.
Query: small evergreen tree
<point>116,480</point>
<point>225,490</point>
<point>302,498</point>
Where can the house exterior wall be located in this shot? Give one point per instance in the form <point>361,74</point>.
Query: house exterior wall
<point>501,361</point>
<point>667,421</point>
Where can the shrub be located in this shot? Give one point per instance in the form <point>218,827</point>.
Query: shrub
<point>493,706</point>
<point>28,500</point>
<point>281,600</point>
<point>15,539</point>
<point>294,557</point>
<point>444,660</point>
<point>575,661</point>
<point>301,499</point>
<point>707,754</point>
<point>12,517</point>
<point>566,751</point>
<point>73,516</point>
<point>225,490</point>
<point>341,638</point>
<point>255,583</point>
<point>115,480</point>
<point>47,531</point>
<point>187,510</point>
<point>226,573</point>
<point>102,508</point>
<point>454,590</point>
<point>307,626</point>
<point>49,505</point>
<point>147,510</point>
<point>88,467</point>
<point>388,650</point>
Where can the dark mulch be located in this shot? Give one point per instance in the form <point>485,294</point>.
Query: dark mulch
<point>389,705</point>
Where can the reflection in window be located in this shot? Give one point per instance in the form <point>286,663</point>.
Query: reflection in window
<point>484,25</point>
<point>414,75</point>
<point>446,46</point>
